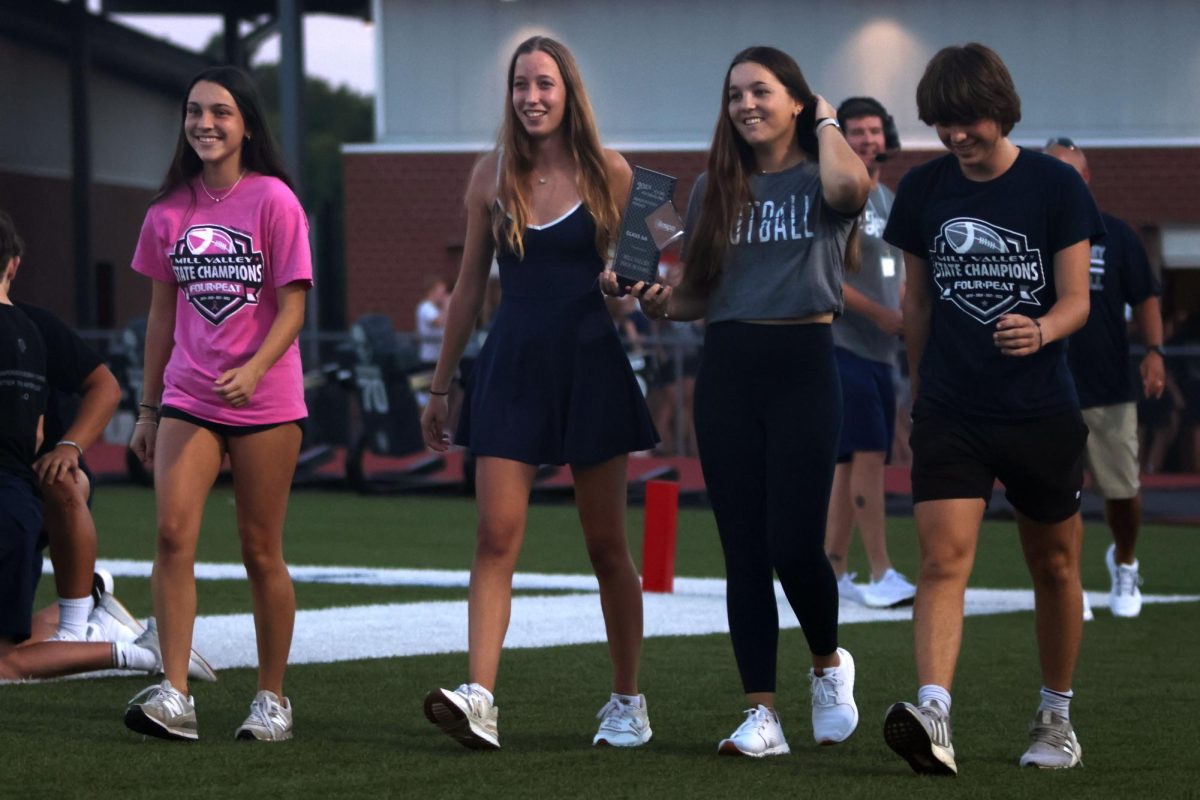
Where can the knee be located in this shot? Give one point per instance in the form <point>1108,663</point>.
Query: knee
<point>498,539</point>
<point>945,564</point>
<point>262,554</point>
<point>176,540</point>
<point>1053,566</point>
<point>609,556</point>
<point>66,496</point>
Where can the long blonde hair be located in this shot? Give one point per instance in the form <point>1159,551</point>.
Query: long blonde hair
<point>515,148</point>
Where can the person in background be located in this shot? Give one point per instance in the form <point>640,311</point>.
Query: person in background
<point>865,342</point>
<point>1120,275</point>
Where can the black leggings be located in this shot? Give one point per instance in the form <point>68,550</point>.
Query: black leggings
<point>768,411</point>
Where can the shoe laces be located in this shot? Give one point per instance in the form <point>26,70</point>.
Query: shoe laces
<point>266,713</point>
<point>476,701</point>
<point>757,718</point>
<point>615,715</point>
<point>165,694</point>
<point>825,687</point>
<point>1052,730</point>
<point>1128,579</point>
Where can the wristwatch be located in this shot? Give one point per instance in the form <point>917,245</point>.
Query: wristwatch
<point>826,121</point>
<point>1155,348</point>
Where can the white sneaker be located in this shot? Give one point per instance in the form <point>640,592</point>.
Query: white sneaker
<point>198,668</point>
<point>111,621</point>
<point>270,720</point>
<point>466,716</point>
<point>1125,598</point>
<point>834,713</point>
<point>848,589</point>
<point>892,590</point>
<point>623,724</point>
<point>759,735</point>
<point>1088,614</point>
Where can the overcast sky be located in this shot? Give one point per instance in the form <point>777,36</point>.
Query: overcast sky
<point>339,49</point>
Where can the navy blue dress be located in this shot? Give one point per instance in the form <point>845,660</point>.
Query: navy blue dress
<point>552,384</point>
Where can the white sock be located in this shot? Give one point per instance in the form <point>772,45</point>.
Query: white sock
<point>1058,702</point>
<point>73,616</point>
<point>931,691</point>
<point>628,699</point>
<point>127,655</point>
<point>475,687</point>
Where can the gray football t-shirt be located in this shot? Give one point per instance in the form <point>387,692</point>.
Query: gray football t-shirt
<point>785,252</point>
<point>880,278</point>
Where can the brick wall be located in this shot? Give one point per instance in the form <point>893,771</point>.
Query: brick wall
<point>405,217</point>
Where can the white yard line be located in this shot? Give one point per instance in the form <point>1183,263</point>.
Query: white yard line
<point>404,629</point>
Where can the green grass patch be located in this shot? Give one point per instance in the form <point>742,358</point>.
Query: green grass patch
<point>361,733</point>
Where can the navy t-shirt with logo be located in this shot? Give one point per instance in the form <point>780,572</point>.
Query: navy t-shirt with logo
<point>1099,352</point>
<point>989,248</point>
<point>22,391</point>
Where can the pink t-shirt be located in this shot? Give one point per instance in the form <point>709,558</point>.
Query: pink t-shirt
<point>227,259</point>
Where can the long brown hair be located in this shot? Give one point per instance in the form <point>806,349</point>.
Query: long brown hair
<point>731,162</point>
<point>259,151</point>
<point>515,146</point>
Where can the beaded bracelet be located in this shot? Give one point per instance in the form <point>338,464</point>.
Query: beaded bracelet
<point>73,444</point>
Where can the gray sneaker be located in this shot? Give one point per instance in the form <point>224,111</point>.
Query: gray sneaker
<point>270,720</point>
<point>162,711</point>
<point>921,736</point>
<point>465,716</point>
<point>198,668</point>
<point>1052,743</point>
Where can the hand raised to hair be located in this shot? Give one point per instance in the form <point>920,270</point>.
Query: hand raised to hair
<point>824,108</point>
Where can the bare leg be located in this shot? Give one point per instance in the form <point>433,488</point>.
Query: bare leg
<point>51,659</point>
<point>263,466</point>
<point>187,459</point>
<point>948,531</point>
<point>600,495</point>
<point>72,534</point>
<point>1124,520</point>
<point>1052,553</point>
<point>502,493</point>
<point>866,496</point>
<point>840,525</point>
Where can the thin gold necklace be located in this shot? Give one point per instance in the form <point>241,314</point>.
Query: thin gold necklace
<point>225,196</point>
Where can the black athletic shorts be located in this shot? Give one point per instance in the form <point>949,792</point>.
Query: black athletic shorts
<point>220,429</point>
<point>20,555</point>
<point>1039,461</point>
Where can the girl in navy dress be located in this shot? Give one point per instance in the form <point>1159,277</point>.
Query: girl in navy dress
<point>552,384</point>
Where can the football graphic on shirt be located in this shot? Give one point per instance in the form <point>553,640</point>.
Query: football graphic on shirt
<point>205,240</point>
<point>971,236</point>
<point>218,270</point>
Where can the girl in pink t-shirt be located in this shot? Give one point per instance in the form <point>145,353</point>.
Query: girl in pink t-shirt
<point>226,244</point>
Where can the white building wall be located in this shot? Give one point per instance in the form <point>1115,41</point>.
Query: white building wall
<point>1106,72</point>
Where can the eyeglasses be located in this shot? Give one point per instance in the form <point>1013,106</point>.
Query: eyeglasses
<point>1060,141</point>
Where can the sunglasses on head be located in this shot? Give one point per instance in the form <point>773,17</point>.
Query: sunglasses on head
<point>1060,141</point>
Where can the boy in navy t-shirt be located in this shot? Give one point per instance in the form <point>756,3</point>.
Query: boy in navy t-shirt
<point>996,242</point>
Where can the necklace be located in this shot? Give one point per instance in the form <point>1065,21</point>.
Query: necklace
<point>225,196</point>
